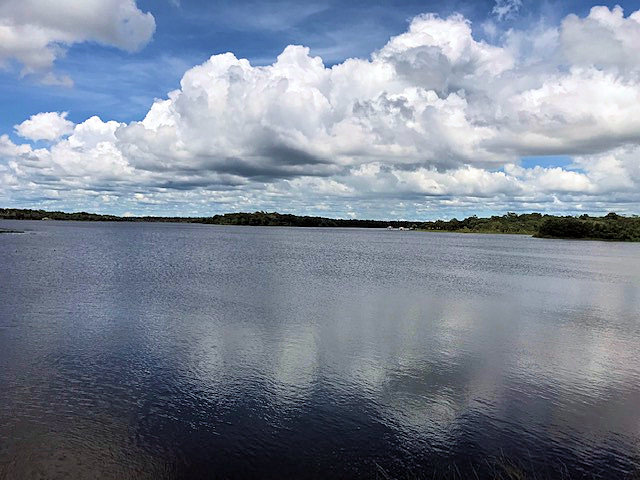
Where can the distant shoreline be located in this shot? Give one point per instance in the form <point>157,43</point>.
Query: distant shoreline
<point>611,227</point>
<point>483,232</point>
<point>250,219</point>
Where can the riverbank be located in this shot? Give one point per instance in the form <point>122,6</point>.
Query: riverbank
<point>266,219</point>
<point>479,232</point>
<point>610,227</point>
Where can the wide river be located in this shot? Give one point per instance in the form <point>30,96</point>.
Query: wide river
<point>193,351</point>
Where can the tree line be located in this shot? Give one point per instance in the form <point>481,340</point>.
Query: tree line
<point>271,219</point>
<point>608,227</point>
<point>288,220</point>
<point>28,214</point>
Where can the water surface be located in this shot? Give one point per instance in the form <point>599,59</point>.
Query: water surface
<point>194,351</point>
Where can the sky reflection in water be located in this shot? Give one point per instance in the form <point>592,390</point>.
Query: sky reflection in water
<point>175,351</point>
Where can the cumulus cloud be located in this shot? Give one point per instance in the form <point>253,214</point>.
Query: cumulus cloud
<point>45,126</point>
<point>604,39</point>
<point>435,118</point>
<point>36,32</point>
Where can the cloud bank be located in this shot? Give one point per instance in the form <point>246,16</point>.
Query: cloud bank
<point>435,121</point>
<point>36,32</point>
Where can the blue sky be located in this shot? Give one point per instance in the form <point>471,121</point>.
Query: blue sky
<point>120,84</point>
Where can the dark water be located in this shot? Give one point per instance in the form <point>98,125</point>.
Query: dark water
<point>191,351</point>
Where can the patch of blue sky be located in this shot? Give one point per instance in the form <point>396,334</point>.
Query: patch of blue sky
<point>546,161</point>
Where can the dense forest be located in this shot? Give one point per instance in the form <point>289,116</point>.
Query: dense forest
<point>527,223</point>
<point>288,220</point>
<point>257,219</point>
<point>609,227</point>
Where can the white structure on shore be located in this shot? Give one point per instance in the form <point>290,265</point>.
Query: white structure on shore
<point>399,228</point>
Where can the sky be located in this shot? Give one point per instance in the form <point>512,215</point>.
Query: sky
<point>363,109</point>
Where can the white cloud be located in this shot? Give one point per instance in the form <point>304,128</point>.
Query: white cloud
<point>604,39</point>
<point>584,110</point>
<point>37,32</point>
<point>45,126</point>
<point>51,78</point>
<point>506,8</point>
<point>434,118</point>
